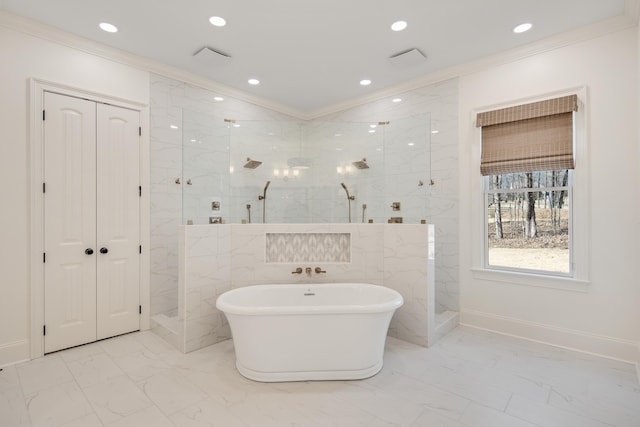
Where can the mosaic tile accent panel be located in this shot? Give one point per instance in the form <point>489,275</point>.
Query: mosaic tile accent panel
<point>308,247</point>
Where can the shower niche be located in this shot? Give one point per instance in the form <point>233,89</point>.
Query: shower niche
<point>236,171</point>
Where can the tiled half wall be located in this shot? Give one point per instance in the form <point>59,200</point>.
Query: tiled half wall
<point>217,258</point>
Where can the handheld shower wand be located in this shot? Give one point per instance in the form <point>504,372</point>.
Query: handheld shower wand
<point>263,197</point>
<point>349,198</point>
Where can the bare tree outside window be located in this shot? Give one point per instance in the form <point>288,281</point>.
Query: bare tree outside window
<point>528,221</point>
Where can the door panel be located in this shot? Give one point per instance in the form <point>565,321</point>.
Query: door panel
<point>70,221</point>
<point>118,215</point>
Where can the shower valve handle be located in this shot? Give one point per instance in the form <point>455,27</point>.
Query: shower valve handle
<point>319,270</point>
<point>297,271</point>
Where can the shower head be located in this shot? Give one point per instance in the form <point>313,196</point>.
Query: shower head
<point>361,164</point>
<point>264,192</point>
<point>252,164</point>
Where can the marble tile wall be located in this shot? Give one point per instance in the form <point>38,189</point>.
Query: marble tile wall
<point>440,100</point>
<point>408,268</point>
<point>218,258</point>
<point>207,274</point>
<point>174,104</point>
<point>248,266</point>
<point>289,198</point>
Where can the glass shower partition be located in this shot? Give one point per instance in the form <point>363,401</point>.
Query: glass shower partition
<point>205,169</point>
<point>256,171</point>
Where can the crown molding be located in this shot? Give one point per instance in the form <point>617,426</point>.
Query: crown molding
<point>55,35</point>
<point>632,9</point>
<point>549,44</point>
<point>599,29</point>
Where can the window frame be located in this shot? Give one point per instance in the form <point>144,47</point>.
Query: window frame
<point>579,214</point>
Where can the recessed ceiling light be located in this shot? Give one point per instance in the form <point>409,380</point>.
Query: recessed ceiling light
<point>253,81</point>
<point>396,100</point>
<point>372,131</point>
<point>173,127</point>
<point>435,132</point>
<point>522,28</point>
<point>218,98</point>
<point>218,21</point>
<point>399,25</point>
<point>373,126</point>
<point>365,82</point>
<point>411,144</point>
<point>109,28</point>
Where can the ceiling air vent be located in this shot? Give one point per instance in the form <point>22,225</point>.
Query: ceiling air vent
<point>408,58</point>
<point>212,58</point>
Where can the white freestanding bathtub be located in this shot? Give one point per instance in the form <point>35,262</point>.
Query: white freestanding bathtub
<point>309,332</point>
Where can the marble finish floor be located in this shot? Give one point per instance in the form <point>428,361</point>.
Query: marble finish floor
<point>469,378</point>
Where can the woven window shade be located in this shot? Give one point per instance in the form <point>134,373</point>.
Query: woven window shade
<point>526,138</point>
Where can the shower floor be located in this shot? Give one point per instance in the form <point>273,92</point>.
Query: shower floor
<point>169,321</point>
<point>446,322</point>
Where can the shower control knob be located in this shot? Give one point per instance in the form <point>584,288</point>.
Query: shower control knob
<point>104,250</point>
<point>88,251</point>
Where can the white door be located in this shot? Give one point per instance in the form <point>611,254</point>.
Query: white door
<point>89,293</point>
<point>118,232</point>
<point>69,221</point>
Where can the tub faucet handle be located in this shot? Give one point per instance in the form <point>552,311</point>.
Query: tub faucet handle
<point>308,271</point>
<point>319,270</point>
<point>297,271</point>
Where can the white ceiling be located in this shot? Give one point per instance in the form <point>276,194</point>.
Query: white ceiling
<point>311,55</point>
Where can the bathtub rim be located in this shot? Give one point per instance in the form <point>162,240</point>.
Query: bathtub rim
<point>395,301</point>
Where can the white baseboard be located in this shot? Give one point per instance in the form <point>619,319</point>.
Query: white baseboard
<point>14,352</point>
<point>638,362</point>
<point>611,348</point>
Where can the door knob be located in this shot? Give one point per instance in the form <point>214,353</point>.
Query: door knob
<point>88,251</point>
<point>104,250</point>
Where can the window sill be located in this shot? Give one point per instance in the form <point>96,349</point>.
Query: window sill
<point>528,279</point>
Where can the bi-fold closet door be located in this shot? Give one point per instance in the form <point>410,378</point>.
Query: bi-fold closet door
<point>91,221</point>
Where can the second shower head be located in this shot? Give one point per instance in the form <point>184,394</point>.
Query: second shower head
<point>361,164</point>
<point>252,164</point>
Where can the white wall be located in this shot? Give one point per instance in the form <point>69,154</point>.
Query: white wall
<point>638,166</point>
<point>605,319</point>
<point>22,57</point>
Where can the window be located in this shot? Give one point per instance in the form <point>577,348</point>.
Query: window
<point>528,169</point>
<point>528,221</point>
